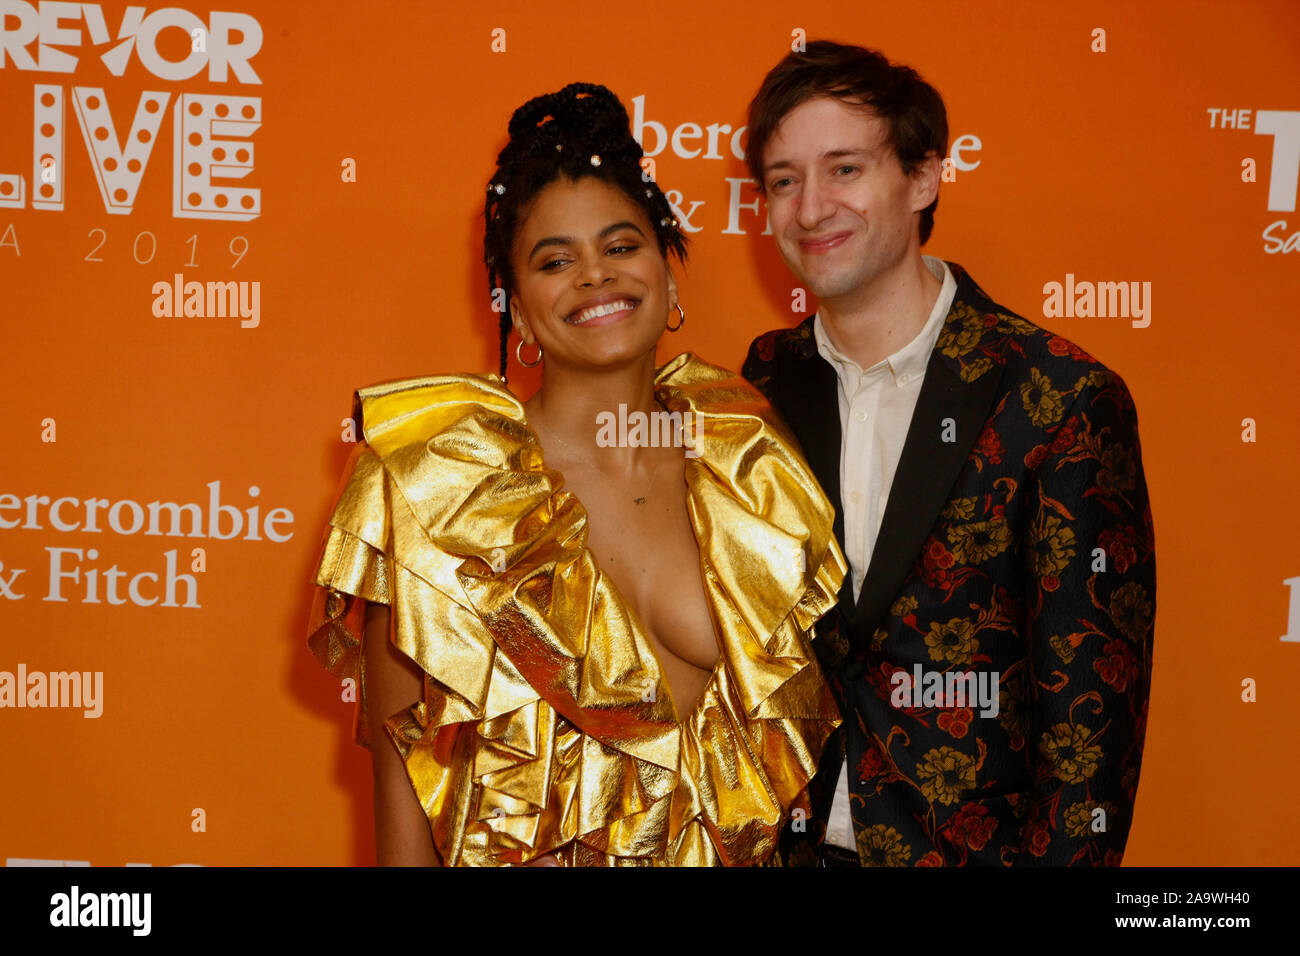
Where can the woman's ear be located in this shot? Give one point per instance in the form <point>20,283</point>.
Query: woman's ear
<point>521,323</point>
<point>672,290</point>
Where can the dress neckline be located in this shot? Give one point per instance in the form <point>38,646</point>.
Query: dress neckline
<point>652,642</point>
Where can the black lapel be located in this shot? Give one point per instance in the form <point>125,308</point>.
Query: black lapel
<point>928,467</point>
<point>810,401</point>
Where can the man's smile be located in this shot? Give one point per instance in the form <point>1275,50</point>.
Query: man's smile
<point>822,244</point>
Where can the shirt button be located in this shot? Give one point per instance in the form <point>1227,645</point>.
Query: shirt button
<point>855,497</point>
<point>861,416</point>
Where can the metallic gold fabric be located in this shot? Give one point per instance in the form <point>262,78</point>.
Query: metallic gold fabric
<point>534,736</point>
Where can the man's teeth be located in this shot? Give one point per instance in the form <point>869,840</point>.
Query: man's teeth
<point>606,309</point>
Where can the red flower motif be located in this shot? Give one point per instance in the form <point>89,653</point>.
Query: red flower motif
<point>933,858</point>
<point>990,445</point>
<point>1034,460</point>
<point>957,721</point>
<point>880,680</point>
<point>871,764</point>
<point>1121,547</point>
<point>935,561</point>
<point>1111,858</point>
<point>1037,836</point>
<point>1065,436</point>
<point>972,825</point>
<point>937,556</point>
<point>1005,603</point>
<point>1117,667</point>
<point>766,347</point>
<point>1049,582</point>
<point>1057,345</point>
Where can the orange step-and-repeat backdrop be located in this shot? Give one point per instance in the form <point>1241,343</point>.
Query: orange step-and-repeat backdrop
<point>330,159</point>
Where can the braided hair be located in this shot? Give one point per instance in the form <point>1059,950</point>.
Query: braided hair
<point>581,130</point>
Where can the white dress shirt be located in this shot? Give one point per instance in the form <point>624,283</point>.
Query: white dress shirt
<point>876,406</point>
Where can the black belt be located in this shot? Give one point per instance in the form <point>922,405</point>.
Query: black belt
<point>831,855</point>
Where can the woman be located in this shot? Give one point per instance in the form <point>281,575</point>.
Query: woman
<point>583,654</point>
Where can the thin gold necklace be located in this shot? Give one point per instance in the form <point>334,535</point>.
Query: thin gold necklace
<point>654,472</point>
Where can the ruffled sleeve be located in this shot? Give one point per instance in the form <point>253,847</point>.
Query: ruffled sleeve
<point>354,568</point>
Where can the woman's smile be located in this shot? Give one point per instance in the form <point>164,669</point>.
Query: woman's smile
<point>604,311</point>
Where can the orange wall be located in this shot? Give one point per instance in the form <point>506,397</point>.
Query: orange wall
<point>1100,164</point>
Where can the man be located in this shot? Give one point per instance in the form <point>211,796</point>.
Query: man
<point>992,645</point>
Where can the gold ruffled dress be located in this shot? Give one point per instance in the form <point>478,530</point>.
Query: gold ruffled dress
<point>536,733</point>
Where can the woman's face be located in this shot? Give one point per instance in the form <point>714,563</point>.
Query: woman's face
<point>593,289</point>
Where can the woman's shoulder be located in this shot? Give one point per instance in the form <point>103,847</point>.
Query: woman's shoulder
<point>446,450</point>
<point>716,391</point>
<point>688,369</point>
<point>725,399</point>
<point>397,413</point>
<point>487,383</point>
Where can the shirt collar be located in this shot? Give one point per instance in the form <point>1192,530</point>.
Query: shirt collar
<point>910,361</point>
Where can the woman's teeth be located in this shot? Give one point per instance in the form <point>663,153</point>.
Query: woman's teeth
<point>597,311</point>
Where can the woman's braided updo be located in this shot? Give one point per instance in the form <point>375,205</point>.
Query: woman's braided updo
<point>582,130</point>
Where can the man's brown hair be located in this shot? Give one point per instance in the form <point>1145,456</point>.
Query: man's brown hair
<point>912,109</point>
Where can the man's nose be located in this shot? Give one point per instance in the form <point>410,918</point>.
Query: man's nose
<point>815,205</point>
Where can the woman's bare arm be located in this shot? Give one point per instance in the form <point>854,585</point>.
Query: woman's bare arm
<point>393,683</point>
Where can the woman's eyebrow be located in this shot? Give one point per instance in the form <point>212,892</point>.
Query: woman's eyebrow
<point>569,240</point>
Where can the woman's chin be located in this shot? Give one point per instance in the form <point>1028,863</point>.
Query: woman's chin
<point>613,358</point>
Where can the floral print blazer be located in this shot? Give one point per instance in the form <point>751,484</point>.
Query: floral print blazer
<point>995,670</point>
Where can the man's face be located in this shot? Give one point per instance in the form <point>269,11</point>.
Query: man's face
<point>843,212</point>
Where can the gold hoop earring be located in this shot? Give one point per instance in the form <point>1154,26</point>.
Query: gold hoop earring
<point>533,364</point>
<point>674,328</point>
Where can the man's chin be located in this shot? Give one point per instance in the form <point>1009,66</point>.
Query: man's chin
<point>825,289</point>
<point>821,284</point>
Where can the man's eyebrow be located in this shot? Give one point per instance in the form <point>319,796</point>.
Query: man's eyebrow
<point>829,154</point>
<point>569,240</point>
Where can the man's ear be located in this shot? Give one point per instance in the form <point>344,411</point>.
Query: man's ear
<point>925,181</point>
